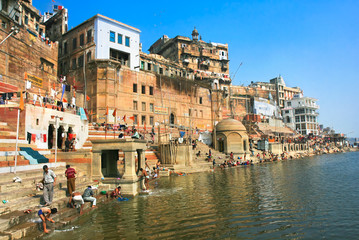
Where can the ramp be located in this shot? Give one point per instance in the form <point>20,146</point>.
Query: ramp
<point>34,154</point>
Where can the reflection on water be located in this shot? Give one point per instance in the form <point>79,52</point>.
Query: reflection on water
<point>299,199</point>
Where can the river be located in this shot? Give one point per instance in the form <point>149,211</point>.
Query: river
<point>308,198</point>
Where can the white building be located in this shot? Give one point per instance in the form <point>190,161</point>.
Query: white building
<point>265,107</point>
<point>300,113</point>
<point>117,41</point>
<point>99,38</point>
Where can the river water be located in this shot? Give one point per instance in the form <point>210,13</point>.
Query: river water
<point>310,198</point>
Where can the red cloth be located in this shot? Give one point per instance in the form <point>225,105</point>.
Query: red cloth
<point>70,173</point>
<point>70,136</point>
<point>33,137</point>
<point>44,136</point>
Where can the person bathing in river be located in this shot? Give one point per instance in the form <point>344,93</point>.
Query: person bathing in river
<point>45,213</point>
<point>145,177</point>
<point>154,173</point>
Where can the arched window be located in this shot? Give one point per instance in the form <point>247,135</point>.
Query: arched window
<point>172,119</point>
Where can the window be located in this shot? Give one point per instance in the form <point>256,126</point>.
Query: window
<point>82,39</point>
<point>299,111</point>
<point>112,36</point>
<point>149,66</point>
<point>127,41</point>
<point>65,47</point>
<point>151,120</point>
<point>3,24</point>
<point>297,126</point>
<point>143,106</point>
<point>142,65</point>
<point>134,105</point>
<point>289,104</point>
<point>119,38</point>
<point>89,35</point>
<point>37,121</point>
<point>303,126</point>
<point>143,120</point>
<point>151,107</point>
<point>135,121</point>
<point>26,20</point>
<point>161,70</point>
<point>81,61</point>
<point>74,63</point>
<point>297,119</point>
<point>37,27</point>
<point>302,118</point>
<point>286,111</point>
<point>74,43</point>
<point>143,89</point>
<point>88,56</point>
<point>200,100</point>
<point>134,87</point>
<point>151,90</point>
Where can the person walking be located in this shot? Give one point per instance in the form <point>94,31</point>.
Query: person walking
<point>70,174</point>
<point>49,181</point>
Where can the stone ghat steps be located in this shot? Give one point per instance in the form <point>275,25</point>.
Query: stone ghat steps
<point>38,173</point>
<point>34,200</point>
<point>23,227</point>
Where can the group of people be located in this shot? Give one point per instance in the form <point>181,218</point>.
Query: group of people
<point>147,173</point>
<point>76,198</point>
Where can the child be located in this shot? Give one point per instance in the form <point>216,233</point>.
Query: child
<point>44,213</point>
<point>154,173</point>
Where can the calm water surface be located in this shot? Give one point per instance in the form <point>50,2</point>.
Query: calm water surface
<point>313,198</point>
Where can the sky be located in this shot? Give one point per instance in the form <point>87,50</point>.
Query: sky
<point>312,44</point>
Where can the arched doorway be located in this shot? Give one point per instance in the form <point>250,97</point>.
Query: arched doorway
<point>172,119</point>
<point>60,136</point>
<point>50,134</point>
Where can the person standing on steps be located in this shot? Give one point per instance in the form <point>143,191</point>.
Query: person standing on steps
<point>70,174</point>
<point>49,182</point>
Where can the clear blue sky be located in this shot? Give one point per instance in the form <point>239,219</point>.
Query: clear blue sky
<point>313,44</point>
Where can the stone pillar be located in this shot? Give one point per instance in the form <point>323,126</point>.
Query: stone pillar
<point>130,165</point>
<point>141,159</point>
<point>96,165</point>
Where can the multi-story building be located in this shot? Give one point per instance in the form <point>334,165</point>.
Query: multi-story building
<point>102,56</point>
<point>56,22</point>
<point>208,61</point>
<point>282,91</point>
<point>28,64</point>
<point>300,113</point>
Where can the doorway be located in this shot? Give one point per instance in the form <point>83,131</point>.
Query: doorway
<point>109,160</point>
<point>50,134</point>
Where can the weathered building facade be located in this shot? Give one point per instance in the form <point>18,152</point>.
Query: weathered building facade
<point>147,88</point>
<point>208,61</point>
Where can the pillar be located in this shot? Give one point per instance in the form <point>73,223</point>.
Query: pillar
<point>142,159</point>
<point>130,166</point>
<point>96,165</point>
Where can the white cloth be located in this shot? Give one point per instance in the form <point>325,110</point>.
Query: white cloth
<point>53,92</point>
<point>28,84</point>
<point>78,200</point>
<point>73,101</point>
<point>35,98</point>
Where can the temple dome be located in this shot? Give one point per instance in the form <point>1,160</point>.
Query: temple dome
<point>230,124</point>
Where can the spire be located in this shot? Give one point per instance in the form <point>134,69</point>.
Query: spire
<point>195,34</point>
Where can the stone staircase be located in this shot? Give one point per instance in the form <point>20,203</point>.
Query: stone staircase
<point>14,223</point>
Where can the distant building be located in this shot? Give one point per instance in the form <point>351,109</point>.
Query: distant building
<point>301,114</point>
<point>208,61</point>
<point>56,22</point>
<point>265,107</point>
<point>282,91</point>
